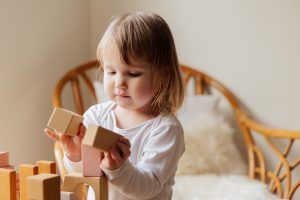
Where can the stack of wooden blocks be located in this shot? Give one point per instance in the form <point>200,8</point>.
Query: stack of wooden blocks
<point>40,181</point>
<point>34,182</point>
<point>95,141</point>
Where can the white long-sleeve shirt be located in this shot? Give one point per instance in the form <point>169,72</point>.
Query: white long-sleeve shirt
<point>156,146</point>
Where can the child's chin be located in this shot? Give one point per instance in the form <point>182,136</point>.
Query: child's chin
<point>124,103</point>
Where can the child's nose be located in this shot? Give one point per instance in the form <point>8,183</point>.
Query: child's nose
<point>120,82</point>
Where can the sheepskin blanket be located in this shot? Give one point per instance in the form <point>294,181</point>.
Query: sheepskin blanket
<point>211,167</point>
<point>223,187</point>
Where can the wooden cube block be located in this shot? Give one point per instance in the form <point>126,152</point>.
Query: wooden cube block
<point>43,187</point>
<point>4,158</point>
<point>65,121</point>
<point>99,137</point>
<point>46,167</point>
<point>91,161</point>
<point>7,184</point>
<point>24,172</point>
<point>68,196</point>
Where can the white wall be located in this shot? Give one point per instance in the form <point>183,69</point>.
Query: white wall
<point>39,41</point>
<point>253,47</point>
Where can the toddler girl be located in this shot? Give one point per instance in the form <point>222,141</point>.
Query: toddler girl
<point>141,78</point>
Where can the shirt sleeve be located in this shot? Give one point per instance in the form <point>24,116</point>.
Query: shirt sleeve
<point>158,163</point>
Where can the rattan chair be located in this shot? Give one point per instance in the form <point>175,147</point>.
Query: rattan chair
<point>203,83</point>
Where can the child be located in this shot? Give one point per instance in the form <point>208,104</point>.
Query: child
<point>142,79</point>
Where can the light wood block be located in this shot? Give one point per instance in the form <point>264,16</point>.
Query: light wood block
<point>43,187</point>
<point>24,172</point>
<point>65,121</point>
<point>4,158</point>
<point>99,137</point>
<point>91,159</point>
<point>8,167</point>
<point>99,184</point>
<point>68,196</point>
<point>7,184</point>
<point>47,167</point>
<point>18,183</point>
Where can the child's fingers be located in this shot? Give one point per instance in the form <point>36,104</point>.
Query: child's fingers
<point>82,130</point>
<point>51,134</point>
<point>116,157</point>
<point>56,136</point>
<point>125,149</point>
<point>110,161</point>
<point>124,141</point>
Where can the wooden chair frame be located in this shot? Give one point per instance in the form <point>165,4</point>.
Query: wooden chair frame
<point>279,179</point>
<point>280,185</point>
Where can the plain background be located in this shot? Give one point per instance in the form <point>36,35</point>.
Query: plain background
<point>251,46</point>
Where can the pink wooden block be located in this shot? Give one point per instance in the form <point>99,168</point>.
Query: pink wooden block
<point>4,159</point>
<point>91,159</point>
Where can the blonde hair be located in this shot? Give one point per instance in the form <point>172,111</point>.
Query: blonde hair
<point>146,36</point>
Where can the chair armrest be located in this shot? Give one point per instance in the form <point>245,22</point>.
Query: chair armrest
<point>59,156</point>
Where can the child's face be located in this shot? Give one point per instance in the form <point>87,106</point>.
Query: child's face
<point>129,86</point>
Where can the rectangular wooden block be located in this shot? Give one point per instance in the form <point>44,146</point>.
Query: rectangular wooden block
<point>7,184</point>
<point>65,121</point>
<point>8,167</point>
<point>43,187</point>
<point>46,167</point>
<point>68,196</point>
<point>100,137</point>
<point>24,172</point>
<point>4,158</point>
<point>91,161</point>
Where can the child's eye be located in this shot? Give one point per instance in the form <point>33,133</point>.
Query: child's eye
<point>111,73</point>
<point>134,74</point>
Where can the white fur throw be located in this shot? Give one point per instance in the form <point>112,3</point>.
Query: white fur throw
<point>225,187</point>
<point>210,147</point>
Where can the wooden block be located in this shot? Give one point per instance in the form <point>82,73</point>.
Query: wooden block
<point>47,167</point>
<point>8,184</point>
<point>4,158</point>
<point>68,196</point>
<point>43,187</point>
<point>91,159</point>
<point>24,172</point>
<point>65,121</point>
<point>8,167</point>
<point>99,184</point>
<point>99,137</point>
<point>18,183</point>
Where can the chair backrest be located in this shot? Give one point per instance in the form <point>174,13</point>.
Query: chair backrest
<point>279,180</point>
<point>277,143</point>
<point>80,79</point>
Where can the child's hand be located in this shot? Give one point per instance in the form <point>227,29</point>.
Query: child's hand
<point>116,156</point>
<point>70,144</point>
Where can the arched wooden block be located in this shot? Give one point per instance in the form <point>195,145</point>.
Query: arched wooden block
<point>99,184</point>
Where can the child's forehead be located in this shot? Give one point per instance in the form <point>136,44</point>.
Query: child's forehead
<point>111,55</point>
<point>134,64</point>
